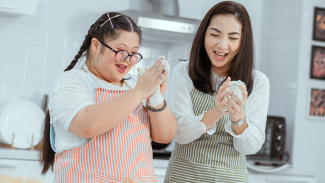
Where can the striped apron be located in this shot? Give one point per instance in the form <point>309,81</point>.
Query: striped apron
<point>211,158</point>
<point>124,152</point>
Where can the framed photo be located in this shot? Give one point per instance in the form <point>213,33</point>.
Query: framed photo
<point>316,103</point>
<point>317,63</point>
<point>319,24</point>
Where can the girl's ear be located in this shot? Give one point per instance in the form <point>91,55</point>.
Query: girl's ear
<point>94,46</point>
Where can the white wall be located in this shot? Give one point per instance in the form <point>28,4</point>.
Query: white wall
<point>36,49</point>
<point>309,145</point>
<point>280,45</point>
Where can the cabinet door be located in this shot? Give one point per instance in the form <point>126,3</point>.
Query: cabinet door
<point>271,178</point>
<point>23,168</point>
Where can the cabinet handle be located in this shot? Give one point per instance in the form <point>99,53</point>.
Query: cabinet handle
<point>8,7</point>
<point>285,181</point>
<point>8,165</point>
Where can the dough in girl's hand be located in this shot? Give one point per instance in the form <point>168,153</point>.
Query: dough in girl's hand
<point>234,86</point>
<point>156,98</point>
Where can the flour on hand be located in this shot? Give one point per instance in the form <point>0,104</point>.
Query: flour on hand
<point>157,97</point>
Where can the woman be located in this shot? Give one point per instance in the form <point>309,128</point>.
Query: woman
<point>211,144</point>
<point>99,130</point>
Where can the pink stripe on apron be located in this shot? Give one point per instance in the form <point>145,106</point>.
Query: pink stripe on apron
<point>121,153</point>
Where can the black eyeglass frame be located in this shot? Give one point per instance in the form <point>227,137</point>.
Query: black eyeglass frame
<point>141,57</point>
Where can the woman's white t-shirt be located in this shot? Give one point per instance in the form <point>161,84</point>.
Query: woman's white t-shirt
<point>190,127</point>
<point>73,91</point>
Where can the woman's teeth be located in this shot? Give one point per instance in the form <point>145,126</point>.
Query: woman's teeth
<point>219,54</point>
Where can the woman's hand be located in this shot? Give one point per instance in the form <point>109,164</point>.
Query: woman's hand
<point>220,101</point>
<point>236,111</point>
<point>149,82</point>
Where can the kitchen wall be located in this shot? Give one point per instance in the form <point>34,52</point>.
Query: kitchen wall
<point>309,146</point>
<point>36,49</point>
<point>280,45</point>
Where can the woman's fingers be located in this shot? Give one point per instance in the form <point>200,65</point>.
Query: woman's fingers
<point>245,93</point>
<point>229,109</point>
<point>221,95</point>
<point>223,102</point>
<point>232,102</point>
<point>239,102</point>
<point>223,86</point>
<point>221,92</point>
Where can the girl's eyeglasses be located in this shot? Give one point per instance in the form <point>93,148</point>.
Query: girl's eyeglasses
<point>122,55</point>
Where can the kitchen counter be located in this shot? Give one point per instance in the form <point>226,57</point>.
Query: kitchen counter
<point>18,154</point>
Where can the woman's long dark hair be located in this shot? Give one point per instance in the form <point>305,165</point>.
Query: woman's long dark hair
<point>243,63</point>
<point>104,32</point>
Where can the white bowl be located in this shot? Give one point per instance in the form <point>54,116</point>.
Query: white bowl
<point>23,119</point>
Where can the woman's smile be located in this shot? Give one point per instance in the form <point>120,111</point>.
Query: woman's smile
<point>220,55</point>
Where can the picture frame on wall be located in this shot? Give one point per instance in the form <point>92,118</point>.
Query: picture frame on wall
<point>317,63</point>
<point>316,103</point>
<point>319,24</point>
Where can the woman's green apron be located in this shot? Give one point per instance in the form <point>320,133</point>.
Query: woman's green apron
<point>210,158</point>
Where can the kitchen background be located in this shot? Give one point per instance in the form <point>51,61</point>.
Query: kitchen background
<point>35,49</point>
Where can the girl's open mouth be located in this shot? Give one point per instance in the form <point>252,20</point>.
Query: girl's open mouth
<point>120,68</point>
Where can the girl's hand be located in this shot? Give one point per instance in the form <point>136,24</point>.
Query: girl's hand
<point>149,82</point>
<point>220,101</point>
<point>236,112</point>
<point>164,85</point>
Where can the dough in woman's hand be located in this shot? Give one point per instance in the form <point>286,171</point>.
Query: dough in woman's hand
<point>156,98</point>
<point>234,86</point>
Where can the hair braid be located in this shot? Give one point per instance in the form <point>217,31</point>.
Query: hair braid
<point>84,47</point>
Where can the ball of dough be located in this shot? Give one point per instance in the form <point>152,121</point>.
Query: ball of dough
<point>234,86</point>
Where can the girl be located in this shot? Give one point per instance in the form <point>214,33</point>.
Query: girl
<point>211,144</point>
<point>99,131</point>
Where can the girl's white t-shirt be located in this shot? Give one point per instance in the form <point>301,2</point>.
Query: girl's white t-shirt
<point>73,91</point>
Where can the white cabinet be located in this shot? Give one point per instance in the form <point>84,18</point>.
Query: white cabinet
<point>24,168</point>
<point>271,178</point>
<point>16,7</point>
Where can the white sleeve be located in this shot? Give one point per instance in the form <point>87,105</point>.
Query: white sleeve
<point>189,126</point>
<point>252,139</point>
<point>72,92</point>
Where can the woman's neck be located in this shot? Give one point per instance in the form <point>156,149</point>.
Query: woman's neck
<point>220,71</point>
